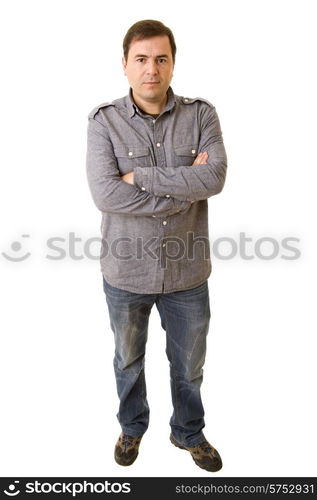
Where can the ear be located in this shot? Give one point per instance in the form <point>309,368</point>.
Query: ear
<point>124,64</point>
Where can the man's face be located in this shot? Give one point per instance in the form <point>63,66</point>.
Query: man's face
<point>149,68</point>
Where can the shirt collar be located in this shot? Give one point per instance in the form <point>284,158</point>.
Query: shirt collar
<point>133,108</point>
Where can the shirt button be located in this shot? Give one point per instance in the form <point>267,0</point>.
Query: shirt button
<point>193,151</point>
<point>164,222</point>
<point>153,215</point>
<point>143,188</point>
<point>163,245</point>
<point>153,121</point>
<point>130,153</point>
<point>158,144</point>
<point>167,196</point>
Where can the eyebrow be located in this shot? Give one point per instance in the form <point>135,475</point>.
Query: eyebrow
<point>143,55</point>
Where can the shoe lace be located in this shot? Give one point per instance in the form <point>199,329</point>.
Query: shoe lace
<point>205,447</point>
<point>127,440</point>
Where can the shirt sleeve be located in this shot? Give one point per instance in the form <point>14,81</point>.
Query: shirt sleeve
<point>196,182</point>
<point>109,192</point>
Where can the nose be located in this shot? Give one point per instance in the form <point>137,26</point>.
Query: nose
<point>151,68</point>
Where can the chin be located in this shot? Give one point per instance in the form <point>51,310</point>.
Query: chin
<point>152,93</point>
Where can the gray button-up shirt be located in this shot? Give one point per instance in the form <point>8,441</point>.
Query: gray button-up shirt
<point>155,232</point>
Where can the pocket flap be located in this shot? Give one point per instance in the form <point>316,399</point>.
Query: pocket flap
<point>186,150</point>
<point>131,151</point>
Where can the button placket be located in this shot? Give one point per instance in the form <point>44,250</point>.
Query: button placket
<point>158,144</point>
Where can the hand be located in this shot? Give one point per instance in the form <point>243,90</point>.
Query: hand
<point>201,159</point>
<point>129,177</point>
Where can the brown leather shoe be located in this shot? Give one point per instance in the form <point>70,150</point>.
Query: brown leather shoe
<point>203,454</point>
<point>127,449</point>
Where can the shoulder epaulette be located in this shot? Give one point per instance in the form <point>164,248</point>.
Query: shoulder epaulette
<point>191,100</point>
<point>93,113</point>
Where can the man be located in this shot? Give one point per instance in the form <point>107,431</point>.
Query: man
<point>153,159</point>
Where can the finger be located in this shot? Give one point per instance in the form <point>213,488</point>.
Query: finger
<point>204,158</point>
<point>198,159</point>
<point>201,159</point>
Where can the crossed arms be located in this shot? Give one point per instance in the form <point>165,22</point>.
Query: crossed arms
<point>183,185</point>
<point>201,159</point>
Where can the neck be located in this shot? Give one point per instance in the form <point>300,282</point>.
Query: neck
<point>152,108</point>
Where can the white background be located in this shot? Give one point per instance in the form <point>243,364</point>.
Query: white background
<point>255,61</point>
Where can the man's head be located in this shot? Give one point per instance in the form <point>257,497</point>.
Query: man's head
<point>148,60</point>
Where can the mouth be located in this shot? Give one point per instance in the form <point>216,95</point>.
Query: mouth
<point>151,83</point>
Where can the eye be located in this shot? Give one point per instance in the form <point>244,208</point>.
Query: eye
<point>162,60</point>
<point>140,59</point>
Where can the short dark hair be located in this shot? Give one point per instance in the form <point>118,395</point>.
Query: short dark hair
<point>146,29</point>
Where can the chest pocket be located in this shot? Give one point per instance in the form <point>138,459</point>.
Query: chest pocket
<point>129,157</point>
<point>185,154</point>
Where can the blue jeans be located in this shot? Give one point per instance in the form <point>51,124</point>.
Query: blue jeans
<point>185,318</point>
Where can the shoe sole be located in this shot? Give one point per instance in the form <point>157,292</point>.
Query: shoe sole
<point>125,464</point>
<point>178,445</point>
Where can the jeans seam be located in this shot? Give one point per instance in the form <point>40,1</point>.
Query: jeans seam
<point>176,408</point>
